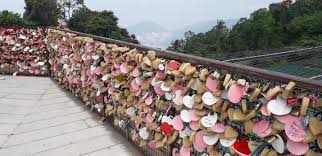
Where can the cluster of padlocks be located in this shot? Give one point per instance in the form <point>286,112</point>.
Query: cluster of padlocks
<point>191,109</point>
<point>23,51</point>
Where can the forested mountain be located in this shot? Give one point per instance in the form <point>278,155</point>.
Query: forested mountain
<point>282,24</point>
<point>155,35</point>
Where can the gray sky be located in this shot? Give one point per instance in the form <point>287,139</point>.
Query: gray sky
<point>171,14</point>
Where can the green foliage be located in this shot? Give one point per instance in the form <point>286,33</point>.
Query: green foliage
<point>103,23</point>
<point>306,29</point>
<point>284,24</point>
<point>10,19</point>
<point>258,32</point>
<point>42,12</point>
<point>203,44</point>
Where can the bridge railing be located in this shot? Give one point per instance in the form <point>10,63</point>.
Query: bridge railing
<point>105,74</point>
<point>101,72</point>
<point>223,65</point>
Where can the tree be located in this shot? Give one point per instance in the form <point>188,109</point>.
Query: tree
<point>10,19</point>
<point>280,11</point>
<point>68,6</point>
<point>103,23</point>
<point>42,12</point>
<point>79,19</point>
<point>207,44</point>
<point>306,29</point>
<point>177,45</point>
<point>288,23</point>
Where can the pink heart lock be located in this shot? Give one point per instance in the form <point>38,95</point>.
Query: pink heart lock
<point>145,95</point>
<point>314,97</point>
<point>148,101</point>
<point>288,118</point>
<point>294,131</point>
<point>297,148</point>
<point>160,75</point>
<point>116,72</point>
<point>211,84</point>
<point>193,116</point>
<point>149,118</point>
<point>194,125</point>
<point>265,111</point>
<point>138,92</point>
<point>110,90</point>
<point>98,71</point>
<point>134,85</point>
<point>178,86</point>
<point>136,72</point>
<point>266,132</point>
<point>89,47</point>
<point>260,126</point>
<point>199,143</point>
<point>150,80</point>
<point>185,151</point>
<point>235,93</point>
<point>41,46</point>
<point>89,61</point>
<point>74,46</point>
<point>32,63</point>
<point>123,68</point>
<point>146,109</point>
<point>117,66</point>
<point>37,71</point>
<point>76,80</point>
<point>152,145</point>
<point>218,128</point>
<point>177,123</point>
<point>158,90</point>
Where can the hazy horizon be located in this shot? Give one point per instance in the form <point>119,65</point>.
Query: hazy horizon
<point>171,14</point>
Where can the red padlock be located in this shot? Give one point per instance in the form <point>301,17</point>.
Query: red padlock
<point>293,101</point>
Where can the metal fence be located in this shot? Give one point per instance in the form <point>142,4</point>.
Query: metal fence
<point>242,70</point>
<point>249,73</point>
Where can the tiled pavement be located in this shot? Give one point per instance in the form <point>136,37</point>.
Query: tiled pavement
<point>38,118</point>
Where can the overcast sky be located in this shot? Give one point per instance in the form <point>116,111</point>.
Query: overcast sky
<point>171,14</point>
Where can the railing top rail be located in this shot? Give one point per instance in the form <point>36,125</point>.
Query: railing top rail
<point>231,67</point>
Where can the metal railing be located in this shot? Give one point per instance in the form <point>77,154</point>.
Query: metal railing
<point>230,67</point>
<point>222,65</point>
<point>227,66</point>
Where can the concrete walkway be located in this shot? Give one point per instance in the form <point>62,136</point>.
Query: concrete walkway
<point>38,118</point>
